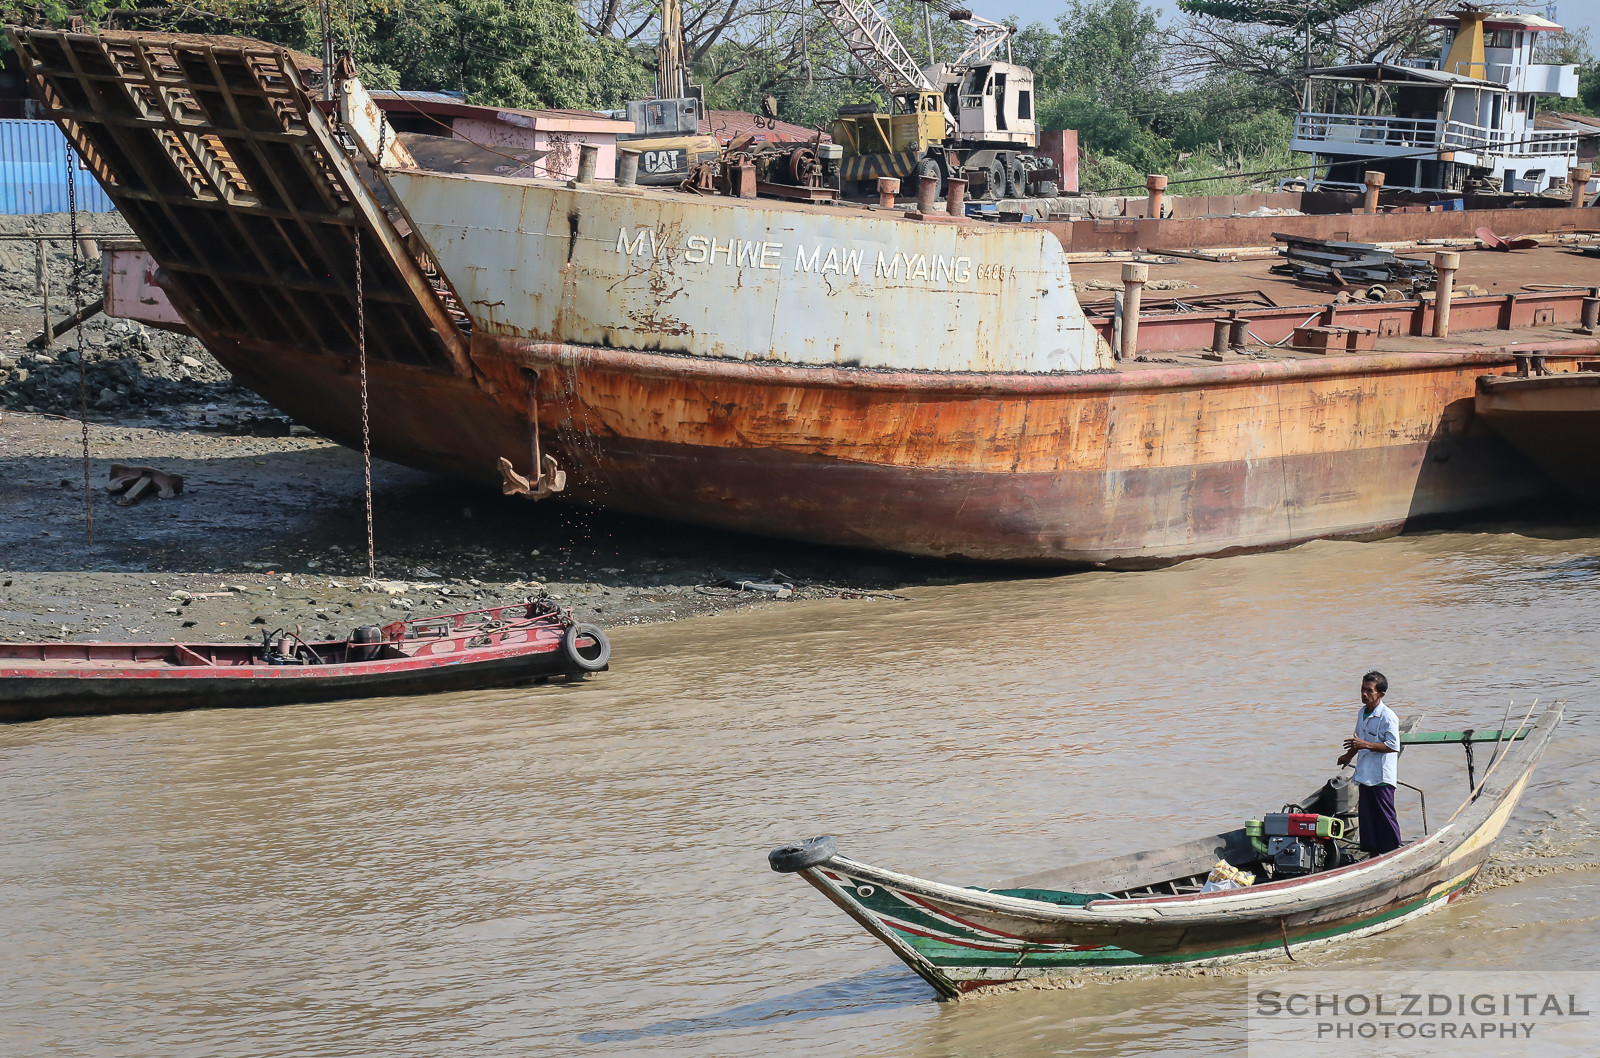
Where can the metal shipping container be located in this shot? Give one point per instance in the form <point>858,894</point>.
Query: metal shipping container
<point>33,171</point>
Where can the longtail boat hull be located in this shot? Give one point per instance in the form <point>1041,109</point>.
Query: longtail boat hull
<point>499,647</point>
<point>1099,914</point>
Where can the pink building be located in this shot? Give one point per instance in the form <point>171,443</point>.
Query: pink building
<point>558,132</point>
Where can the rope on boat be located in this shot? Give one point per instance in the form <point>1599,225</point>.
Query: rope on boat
<point>1495,763</point>
<point>1501,737</point>
<point>1283,928</point>
<point>77,308</point>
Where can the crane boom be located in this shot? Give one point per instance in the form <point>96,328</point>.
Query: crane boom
<point>987,37</point>
<point>872,40</point>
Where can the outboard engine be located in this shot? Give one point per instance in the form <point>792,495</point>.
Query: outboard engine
<point>1292,855</point>
<point>1301,842</point>
<point>365,642</point>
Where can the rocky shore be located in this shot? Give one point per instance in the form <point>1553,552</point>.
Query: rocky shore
<point>269,529</point>
<point>128,367</point>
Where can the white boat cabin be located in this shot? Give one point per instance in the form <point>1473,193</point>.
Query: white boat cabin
<point>1462,120</point>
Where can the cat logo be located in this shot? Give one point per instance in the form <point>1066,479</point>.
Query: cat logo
<point>663,162</point>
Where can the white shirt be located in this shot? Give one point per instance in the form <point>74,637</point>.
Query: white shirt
<point>1380,725</point>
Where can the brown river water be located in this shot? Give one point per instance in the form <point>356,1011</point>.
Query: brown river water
<point>581,870</point>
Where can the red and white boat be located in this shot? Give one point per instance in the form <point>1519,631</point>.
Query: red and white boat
<point>496,647</point>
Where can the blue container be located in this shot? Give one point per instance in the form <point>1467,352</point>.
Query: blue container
<point>1452,205</point>
<point>33,171</point>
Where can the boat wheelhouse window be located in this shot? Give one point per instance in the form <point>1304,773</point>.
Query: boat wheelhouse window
<point>1500,38</point>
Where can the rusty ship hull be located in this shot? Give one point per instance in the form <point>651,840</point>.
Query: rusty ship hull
<point>1114,469</point>
<point>816,373</point>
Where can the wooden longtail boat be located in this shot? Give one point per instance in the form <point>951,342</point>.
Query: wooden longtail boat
<point>1148,908</point>
<point>496,647</point>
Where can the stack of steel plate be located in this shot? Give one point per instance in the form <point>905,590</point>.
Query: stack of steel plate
<point>1320,262</point>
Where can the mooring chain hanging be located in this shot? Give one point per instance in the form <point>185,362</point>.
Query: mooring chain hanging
<point>366,421</point>
<point>77,313</point>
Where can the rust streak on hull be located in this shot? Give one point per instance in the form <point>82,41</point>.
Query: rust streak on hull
<point>1121,469</point>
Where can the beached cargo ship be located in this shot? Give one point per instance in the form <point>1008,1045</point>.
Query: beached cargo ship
<point>831,373</point>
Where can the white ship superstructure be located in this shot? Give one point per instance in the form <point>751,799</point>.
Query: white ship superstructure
<point>1465,118</point>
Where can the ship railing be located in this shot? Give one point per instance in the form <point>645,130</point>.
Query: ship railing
<point>1508,143</point>
<point>1498,72</point>
<point>1368,130</point>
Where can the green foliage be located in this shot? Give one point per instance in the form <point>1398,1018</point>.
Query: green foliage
<point>1109,51</point>
<point>1100,70</point>
<point>1589,88</point>
<point>54,13</point>
<point>516,53</point>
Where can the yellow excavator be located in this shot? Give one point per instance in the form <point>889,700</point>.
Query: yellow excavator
<point>667,128</point>
<point>972,117</point>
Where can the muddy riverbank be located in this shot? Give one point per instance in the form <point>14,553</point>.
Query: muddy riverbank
<point>270,532</point>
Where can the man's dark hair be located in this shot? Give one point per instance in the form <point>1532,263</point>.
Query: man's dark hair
<point>1378,680</point>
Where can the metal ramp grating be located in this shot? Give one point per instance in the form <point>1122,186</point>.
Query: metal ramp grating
<point>233,178</point>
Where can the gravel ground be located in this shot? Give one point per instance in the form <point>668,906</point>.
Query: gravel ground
<point>269,532</point>
<point>127,367</point>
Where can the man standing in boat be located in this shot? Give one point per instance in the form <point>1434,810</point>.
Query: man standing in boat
<point>1376,751</point>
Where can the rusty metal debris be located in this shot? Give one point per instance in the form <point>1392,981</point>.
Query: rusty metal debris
<point>1491,241</point>
<point>132,484</point>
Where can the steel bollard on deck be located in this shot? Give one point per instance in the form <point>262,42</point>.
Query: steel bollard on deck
<point>1590,320</point>
<point>1446,262</point>
<point>955,196</point>
<point>1578,179</point>
<point>1156,185</point>
<point>627,167</point>
<point>1134,277</point>
<point>1374,181</point>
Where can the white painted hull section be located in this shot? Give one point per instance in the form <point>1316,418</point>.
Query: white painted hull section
<point>751,280</point>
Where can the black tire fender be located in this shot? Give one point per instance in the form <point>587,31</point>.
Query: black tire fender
<point>586,659</point>
<point>786,859</point>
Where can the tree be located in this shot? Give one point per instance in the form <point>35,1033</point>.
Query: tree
<point>1102,70</point>
<point>517,53</point>
<point>1273,42</point>
<point>1106,50</point>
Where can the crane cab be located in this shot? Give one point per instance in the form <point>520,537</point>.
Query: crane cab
<point>992,101</point>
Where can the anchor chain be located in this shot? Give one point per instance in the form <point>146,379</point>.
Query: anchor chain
<point>83,380</point>
<point>366,418</point>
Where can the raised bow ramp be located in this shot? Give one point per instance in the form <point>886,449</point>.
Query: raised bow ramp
<point>231,176</point>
